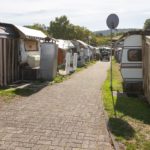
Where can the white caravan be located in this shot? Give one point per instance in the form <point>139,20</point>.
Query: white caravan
<point>131,62</point>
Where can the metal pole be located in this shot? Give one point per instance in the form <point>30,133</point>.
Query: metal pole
<point>111,76</point>
<point>111,84</point>
<point>112,23</point>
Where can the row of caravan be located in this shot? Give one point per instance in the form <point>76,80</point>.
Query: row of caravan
<point>134,57</point>
<point>64,53</point>
<point>27,54</point>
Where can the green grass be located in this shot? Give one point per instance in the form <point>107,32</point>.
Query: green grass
<point>131,125</point>
<point>8,94</point>
<point>60,78</point>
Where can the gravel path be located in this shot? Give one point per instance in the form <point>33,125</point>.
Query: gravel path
<point>64,116</point>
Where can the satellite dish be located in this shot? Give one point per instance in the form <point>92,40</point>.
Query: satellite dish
<point>112,21</point>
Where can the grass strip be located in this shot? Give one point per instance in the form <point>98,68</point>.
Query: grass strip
<point>131,125</point>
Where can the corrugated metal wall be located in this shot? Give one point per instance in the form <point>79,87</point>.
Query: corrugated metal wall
<point>9,61</point>
<point>146,69</point>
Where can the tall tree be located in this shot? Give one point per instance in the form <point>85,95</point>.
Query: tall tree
<point>147,24</point>
<point>58,28</point>
<point>61,28</point>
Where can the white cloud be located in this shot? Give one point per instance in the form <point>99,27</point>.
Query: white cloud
<point>89,13</point>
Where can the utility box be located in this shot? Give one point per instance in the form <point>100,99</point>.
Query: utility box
<point>48,61</point>
<point>33,61</point>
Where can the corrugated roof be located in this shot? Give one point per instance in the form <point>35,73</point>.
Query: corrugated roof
<point>64,44</point>
<point>31,33</point>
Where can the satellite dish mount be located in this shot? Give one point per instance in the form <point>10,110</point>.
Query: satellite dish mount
<point>112,23</point>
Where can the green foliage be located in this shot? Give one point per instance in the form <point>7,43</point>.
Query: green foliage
<point>7,92</point>
<point>102,40</point>
<point>61,28</point>
<point>81,33</point>
<point>147,24</point>
<point>60,78</point>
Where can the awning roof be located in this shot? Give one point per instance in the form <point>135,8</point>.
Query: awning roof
<point>148,40</point>
<point>31,33</point>
<point>3,31</point>
<point>83,44</point>
<point>148,37</point>
<point>91,47</point>
<point>8,30</point>
<point>135,32</point>
<point>64,44</point>
<point>105,47</point>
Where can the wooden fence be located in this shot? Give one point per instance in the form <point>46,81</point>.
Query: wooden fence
<point>9,61</point>
<point>146,68</point>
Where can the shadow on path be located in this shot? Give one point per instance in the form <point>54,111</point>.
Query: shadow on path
<point>23,89</point>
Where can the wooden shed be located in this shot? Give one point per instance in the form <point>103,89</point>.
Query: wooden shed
<point>64,46</point>
<point>19,47</point>
<point>29,48</point>
<point>9,54</point>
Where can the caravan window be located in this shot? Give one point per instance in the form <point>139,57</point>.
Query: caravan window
<point>31,45</point>
<point>135,55</point>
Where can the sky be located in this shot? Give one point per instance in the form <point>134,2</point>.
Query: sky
<point>91,14</point>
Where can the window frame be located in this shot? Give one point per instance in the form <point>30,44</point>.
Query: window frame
<point>135,49</point>
<point>28,40</point>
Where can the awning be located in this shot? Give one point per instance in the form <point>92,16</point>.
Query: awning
<point>83,44</point>
<point>64,44</point>
<point>3,31</point>
<point>8,30</point>
<point>30,33</point>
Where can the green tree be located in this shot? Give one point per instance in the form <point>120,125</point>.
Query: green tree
<point>102,40</point>
<point>147,24</point>
<point>62,28</point>
<point>81,33</point>
<point>59,27</point>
